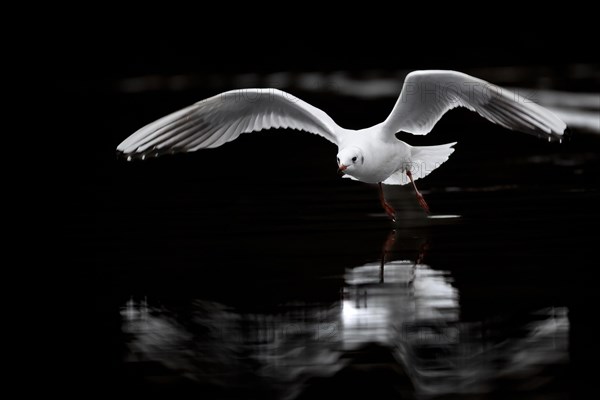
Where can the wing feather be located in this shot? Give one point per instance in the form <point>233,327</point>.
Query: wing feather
<point>427,95</point>
<point>222,118</point>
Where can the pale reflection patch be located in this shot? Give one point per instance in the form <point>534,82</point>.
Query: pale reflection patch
<point>380,302</point>
<point>407,308</point>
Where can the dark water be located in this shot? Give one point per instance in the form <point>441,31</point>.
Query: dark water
<point>253,271</point>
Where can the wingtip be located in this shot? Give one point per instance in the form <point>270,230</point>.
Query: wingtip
<point>567,135</point>
<point>563,134</point>
<point>553,136</point>
<point>121,155</point>
<point>560,133</point>
<point>146,154</point>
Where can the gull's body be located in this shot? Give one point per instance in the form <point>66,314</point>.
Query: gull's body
<point>383,155</point>
<point>371,155</point>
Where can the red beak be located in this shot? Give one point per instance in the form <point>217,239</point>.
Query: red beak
<point>342,167</point>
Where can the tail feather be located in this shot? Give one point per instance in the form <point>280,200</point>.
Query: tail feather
<point>424,159</point>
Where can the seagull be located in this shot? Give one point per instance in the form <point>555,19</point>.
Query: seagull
<point>371,155</point>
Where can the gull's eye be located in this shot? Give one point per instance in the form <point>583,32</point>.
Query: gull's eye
<point>354,159</point>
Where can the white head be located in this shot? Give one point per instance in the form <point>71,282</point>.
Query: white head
<point>349,159</point>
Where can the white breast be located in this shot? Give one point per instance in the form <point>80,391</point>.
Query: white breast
<point>381,158</point>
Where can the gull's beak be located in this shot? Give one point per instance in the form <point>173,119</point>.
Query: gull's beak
<point>342,168</point>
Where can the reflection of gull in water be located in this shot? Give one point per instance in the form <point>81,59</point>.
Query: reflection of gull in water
<point>402,307</point>
<point>371,155</point>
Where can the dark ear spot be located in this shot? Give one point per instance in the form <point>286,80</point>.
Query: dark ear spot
<point>362,159</point>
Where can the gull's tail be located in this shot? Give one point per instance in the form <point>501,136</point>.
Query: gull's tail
<point>424,159</point>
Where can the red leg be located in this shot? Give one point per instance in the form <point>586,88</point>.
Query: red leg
<point>420,197</point>
<point>389,210</point>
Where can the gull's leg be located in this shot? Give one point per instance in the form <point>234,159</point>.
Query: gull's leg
<point>387,248</point>
<point>389,210</point>
<point>420,197</point>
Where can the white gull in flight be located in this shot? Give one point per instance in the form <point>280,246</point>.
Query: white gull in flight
<point>372,155</point>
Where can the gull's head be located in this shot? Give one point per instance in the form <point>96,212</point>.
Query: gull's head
<point>349,159</point>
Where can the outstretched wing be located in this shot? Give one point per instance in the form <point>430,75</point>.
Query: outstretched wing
<point>427,95</point>
<point>222,118</point>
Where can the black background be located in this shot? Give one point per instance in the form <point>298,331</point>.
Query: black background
<point>111,220</point>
